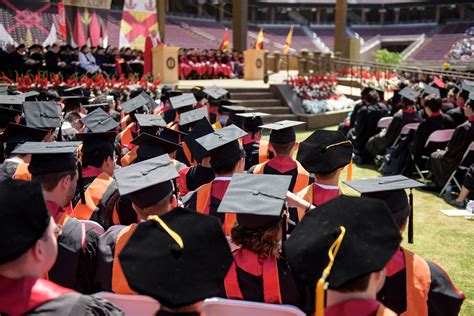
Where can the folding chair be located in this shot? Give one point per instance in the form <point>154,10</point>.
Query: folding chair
<point>220,306</point>
<point>384,122</point>
<point>93,225</point>
<point>461,165</point>
<point>405,130</point>
<point>132,305</point>
<point>440,139</point>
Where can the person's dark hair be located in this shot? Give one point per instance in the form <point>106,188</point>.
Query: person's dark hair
<point>50,181</point>
<point>283,149</point>
<point>158,208</point>
<point>464,94</point>
<point>373,97</point>
<point>97,156</point>
<point>433,102</point>
<point>83,47</point>
<point>263,241</point>
<point>224,166</point>
<point>406,102</point>
<point>357,285</point>
<point>72,116</point>
<point>326,176</point>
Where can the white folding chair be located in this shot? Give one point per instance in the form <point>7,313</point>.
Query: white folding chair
<point>220,306</point>
<point>438,137</point>
<point>384,122</point>
<point>93,225</point>
<point>451,177</point>
<point>132,305</point>
<point>405,130</point>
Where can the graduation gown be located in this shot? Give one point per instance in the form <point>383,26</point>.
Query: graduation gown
<point>8,169</point>
<point>444,162</point>
<point>109,275</point>
<point>317,194</point>
<point>378,144</point>
<point>415,286</point>
<point>269,280</point>
<point>360,308</point>
<point>469,179</point>
<point>457,115</point>
<point>191,178</point>
<point>41,297</point>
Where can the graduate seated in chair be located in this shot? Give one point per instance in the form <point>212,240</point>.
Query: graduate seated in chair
<point>324,153</point>
<point>28,251</point>
<point>260,272</point>
<point>333,249</point>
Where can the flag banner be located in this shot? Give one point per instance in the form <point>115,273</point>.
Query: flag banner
<point>62,20</point>
<point>224,45</point>
<point>26,21</point>
<point>86,26</point>
<point>289,38</point>
<point>93,4</point>
<point>260,40</point>
<point>138,20</point>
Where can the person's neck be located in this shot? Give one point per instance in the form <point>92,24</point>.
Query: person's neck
<point>332,181</point>
<point>290,155</point>
<point>335,297</point>
<point>228,174</point>
<point>54,197</point>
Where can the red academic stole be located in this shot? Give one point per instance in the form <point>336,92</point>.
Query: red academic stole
<point>19,296</point>
<point>251,263</point>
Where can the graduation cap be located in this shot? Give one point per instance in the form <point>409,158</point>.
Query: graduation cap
<point>236,108</point>
<point>98,121</point>
<point>167,94</point>
<point>147,182</point>
<point>179,258</point>
<point>150,123</point>
<point>171,135</point>
<point>16,133</point>
<point>216,92</point>
<point>202,128</point>
<point>282,132</point>
<point>43,114</point>
<point>223,144</point>
<point>384,184</point>
<point>198,92</point>
<point>150,101</point>
<point>431,90</point>
<point>3,90</point>
<point>7,116</point>
<point>24,221</point>
<point>441,86</point>
<point>74,91</point>
<point>134,87</point>
<point>343,240</point>
<point>49,158</point>
<point>258,200</point>
<point>94,106</point>
<point>193,116</point>
<point>324,152</point>
<point>181,102</point>
<point>252,121</point>
<point>467,85</point>
<point>134,104</point>
<point>71,102</point>
<point>11,102</point>
<point>221,103</point>
<point>151,146</point>
<point>409,94</point>
<point>29,96</point>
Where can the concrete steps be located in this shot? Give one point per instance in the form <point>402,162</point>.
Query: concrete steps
<point>252,95</point>
<point>259,103</point>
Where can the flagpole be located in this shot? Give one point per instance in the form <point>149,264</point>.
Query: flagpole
<point>288,66</point>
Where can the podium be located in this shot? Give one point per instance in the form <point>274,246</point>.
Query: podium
<point>254,64</point>
<point>165,64</point>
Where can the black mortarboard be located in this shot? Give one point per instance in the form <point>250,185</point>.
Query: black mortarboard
<point>132,105</point>
<point>282,132</point>
<point>364,230</point>
<point>167,94</point>
<point>456,88</point>
<point>252,121</point>
<point>3,90</point>
<point>99,121</point>
<point>151,146</point>
<point>29,95</point>
<point>134,87</point>
<point>7,116</point>
<point>147,182</point>
<point>221,103</point>
<point>223,144</point>
<point>171,135</point>
<point>150,101</point>
<point>216,92</point>
<point>431,90</point>
<point>202,128</point>
<point>94,106</point>
<point>198,92</point>
<point>96,137</point>
<point>324,152</point>
<point>182,102</point>
<point>22,221</point>
<point>409,94</point>
<point>179,258</point>
<point>73,91</point>
<point>237,108</point>
<point>96,145</point>
<point>72,102</point>
<point>257,199</point>
<point>48,157</point>
<point>150,123</point>
<point>16,133</point>
<point>193,116</point>
<point>389,183</point>
<point>45,115</point>
<point>467,85</point>
<point>11,102</point>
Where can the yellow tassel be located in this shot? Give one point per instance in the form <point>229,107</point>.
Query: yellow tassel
<point>349,171</point>
<point>320,297</point>
<point>170,232</point>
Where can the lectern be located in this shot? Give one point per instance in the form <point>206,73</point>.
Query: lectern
<point>165,64</point>
<point>254,64</point>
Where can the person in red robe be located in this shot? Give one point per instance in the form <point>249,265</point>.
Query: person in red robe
<point>151,41</point>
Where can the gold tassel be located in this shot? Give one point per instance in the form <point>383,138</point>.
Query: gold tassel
<point>170,232</point>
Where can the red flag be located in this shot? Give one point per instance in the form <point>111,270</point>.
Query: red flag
<point>259,42</point>
<point>78,34</point>
<point>224,45</point>
<point>94,30</point>
<point>62,20</point>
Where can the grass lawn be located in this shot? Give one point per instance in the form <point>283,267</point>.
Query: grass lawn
<point>446,240</point>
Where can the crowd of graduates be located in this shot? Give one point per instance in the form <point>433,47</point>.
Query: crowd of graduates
<point>178,182</point>
<point>68,60</point>
<point>426,106</point>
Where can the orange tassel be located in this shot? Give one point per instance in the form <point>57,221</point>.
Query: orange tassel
<point>349,171</point>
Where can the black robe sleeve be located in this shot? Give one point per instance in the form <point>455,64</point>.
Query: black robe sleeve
<point>190,200</point>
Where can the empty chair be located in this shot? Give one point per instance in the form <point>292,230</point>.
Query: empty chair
<point>384,122</point>
<point>132,305</point>
<point>462,165</point>
<point>93,225</point>
<point>409,127</point>
<point>220,306</point>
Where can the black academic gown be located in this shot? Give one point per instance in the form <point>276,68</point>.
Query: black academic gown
<point>197,176</point>
<point>366,126</point>
<point>457,115</point>
<point>251,151</point>
<point>7,169</point>
<point>444,162</point>
<point>377,144</point>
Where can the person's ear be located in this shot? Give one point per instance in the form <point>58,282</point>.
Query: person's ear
<point>173,202</point>
<point>65,182</point>
<point>296,146</point>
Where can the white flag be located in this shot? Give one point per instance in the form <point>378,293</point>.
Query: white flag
<point>52,37</point>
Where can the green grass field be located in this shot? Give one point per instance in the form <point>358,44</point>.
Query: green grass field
<point>446,240</point>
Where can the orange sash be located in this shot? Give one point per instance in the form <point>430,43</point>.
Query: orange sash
<point>125,121</point>
<point>263,151</point>
<point>188,154</point>
<point>22,172</point>
<point>93,194</point>
<point>129,157</point>
<point>302,178</point>
<point>203,199</point>
<point>126,136</point>
<point>119,282</point>
<point>418,278</point>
